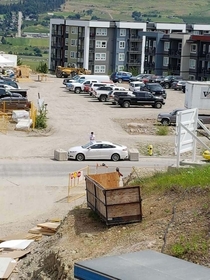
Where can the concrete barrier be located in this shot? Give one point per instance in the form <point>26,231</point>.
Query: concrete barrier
<point>133,154</point>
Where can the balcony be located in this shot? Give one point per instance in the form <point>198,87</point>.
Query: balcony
<point>134,50</point>
<point>135,38</point>
<point>150,51</point>
<point>174,53</point>
<point>134,62</point>
<point>149,65</point>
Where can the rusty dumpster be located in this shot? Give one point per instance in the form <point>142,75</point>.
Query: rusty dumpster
<point>114,204</point>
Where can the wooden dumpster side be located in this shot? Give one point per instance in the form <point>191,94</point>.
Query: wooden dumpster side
<point>114,205</point>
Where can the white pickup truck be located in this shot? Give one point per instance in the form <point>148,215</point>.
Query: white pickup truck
<point>77,87</point>
<point>102,93</point>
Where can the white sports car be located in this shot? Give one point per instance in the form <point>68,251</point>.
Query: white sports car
<point>98,150</point>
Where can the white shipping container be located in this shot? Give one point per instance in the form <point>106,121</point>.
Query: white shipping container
<point>197,95</point>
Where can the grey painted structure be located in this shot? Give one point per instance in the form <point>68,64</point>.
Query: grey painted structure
<point>142,265</point>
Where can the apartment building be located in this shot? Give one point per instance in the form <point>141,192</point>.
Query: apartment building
<point>107,46</point>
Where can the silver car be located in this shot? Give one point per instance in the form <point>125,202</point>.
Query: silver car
<point>98,150</point>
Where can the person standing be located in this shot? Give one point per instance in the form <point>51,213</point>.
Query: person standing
<point>92,137</point>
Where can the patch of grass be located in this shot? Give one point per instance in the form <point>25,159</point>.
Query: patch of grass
<point>162,130</point>
<point>177,179</point>
<point>190,245</point>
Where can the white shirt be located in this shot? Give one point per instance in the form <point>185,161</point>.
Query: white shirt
<point>92,137</point>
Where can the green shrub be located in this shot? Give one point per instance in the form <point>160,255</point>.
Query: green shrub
<point>42,67</point>
<point>162,130</point>
<point>41,119</point>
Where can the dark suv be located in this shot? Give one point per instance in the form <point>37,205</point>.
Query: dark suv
<point>167,82</point>
<point>155,89</point>
<point>121,76</point>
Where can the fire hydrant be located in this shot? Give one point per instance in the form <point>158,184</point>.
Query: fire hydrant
<point>150,150</point>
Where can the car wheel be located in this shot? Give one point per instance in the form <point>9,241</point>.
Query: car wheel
<point>167,86</point>
<point>77,90</point>
<point>158,105</point>
<point>103,98</point>
<point>115,157</point>
<point>126,104</point>
<point>120,81</point>
<point>80,157</point>
<point>165,122</point>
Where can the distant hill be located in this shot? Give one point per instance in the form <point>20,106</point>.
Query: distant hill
<point>178,11</point>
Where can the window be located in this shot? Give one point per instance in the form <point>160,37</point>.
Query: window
<point>121,57</point>
<point>208,65</point>
<point>166,46</point>
<point>204,48</point>
<point>179,46</point>
<point>122,32</point>
<point>100,56</point>
<point>66,41</point>
<point>73,42</point>
<point>66,53</point>
<point>193,48</point>
<point>74,30</point>
<point>120,68</point>
<point>73,54</point>
<point>96,146</point>
<point>165,61</point>
<point>121,44</point>
<point>101,44</point>
<point>192,63</point>
<point>101,31</point>
<point>209,48</point>
<point>100,69</point>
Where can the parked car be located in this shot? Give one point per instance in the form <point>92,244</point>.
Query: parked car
<point>134,86</point>
<point>101,93</point>
<point>94,86</point>
<point>167,82</point>
<point>136,78</point>
<point>114,93</point>
<point>140,98</point>
<point>67,80</point>
<point>121,76</point>
<point>154,88</point>
<point>98,150</point>
<point>157,79</point>
<point>9,82</point>
<point>177,85</point>
<point>168,118</point>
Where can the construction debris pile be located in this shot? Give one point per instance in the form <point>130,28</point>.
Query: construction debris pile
<point>15,247</point>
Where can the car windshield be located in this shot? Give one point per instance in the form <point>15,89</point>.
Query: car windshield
<point>87,145</point>
<point>81,80</point>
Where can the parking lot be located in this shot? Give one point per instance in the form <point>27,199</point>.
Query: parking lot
<point>72,117</point>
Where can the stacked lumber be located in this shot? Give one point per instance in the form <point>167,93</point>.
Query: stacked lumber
<point>47,228</point>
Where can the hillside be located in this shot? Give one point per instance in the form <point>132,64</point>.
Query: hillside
<point>160,11</point>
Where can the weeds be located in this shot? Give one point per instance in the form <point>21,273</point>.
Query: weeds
<point>41,119</point>
<point>162,130</point>
<point>187,246</point>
